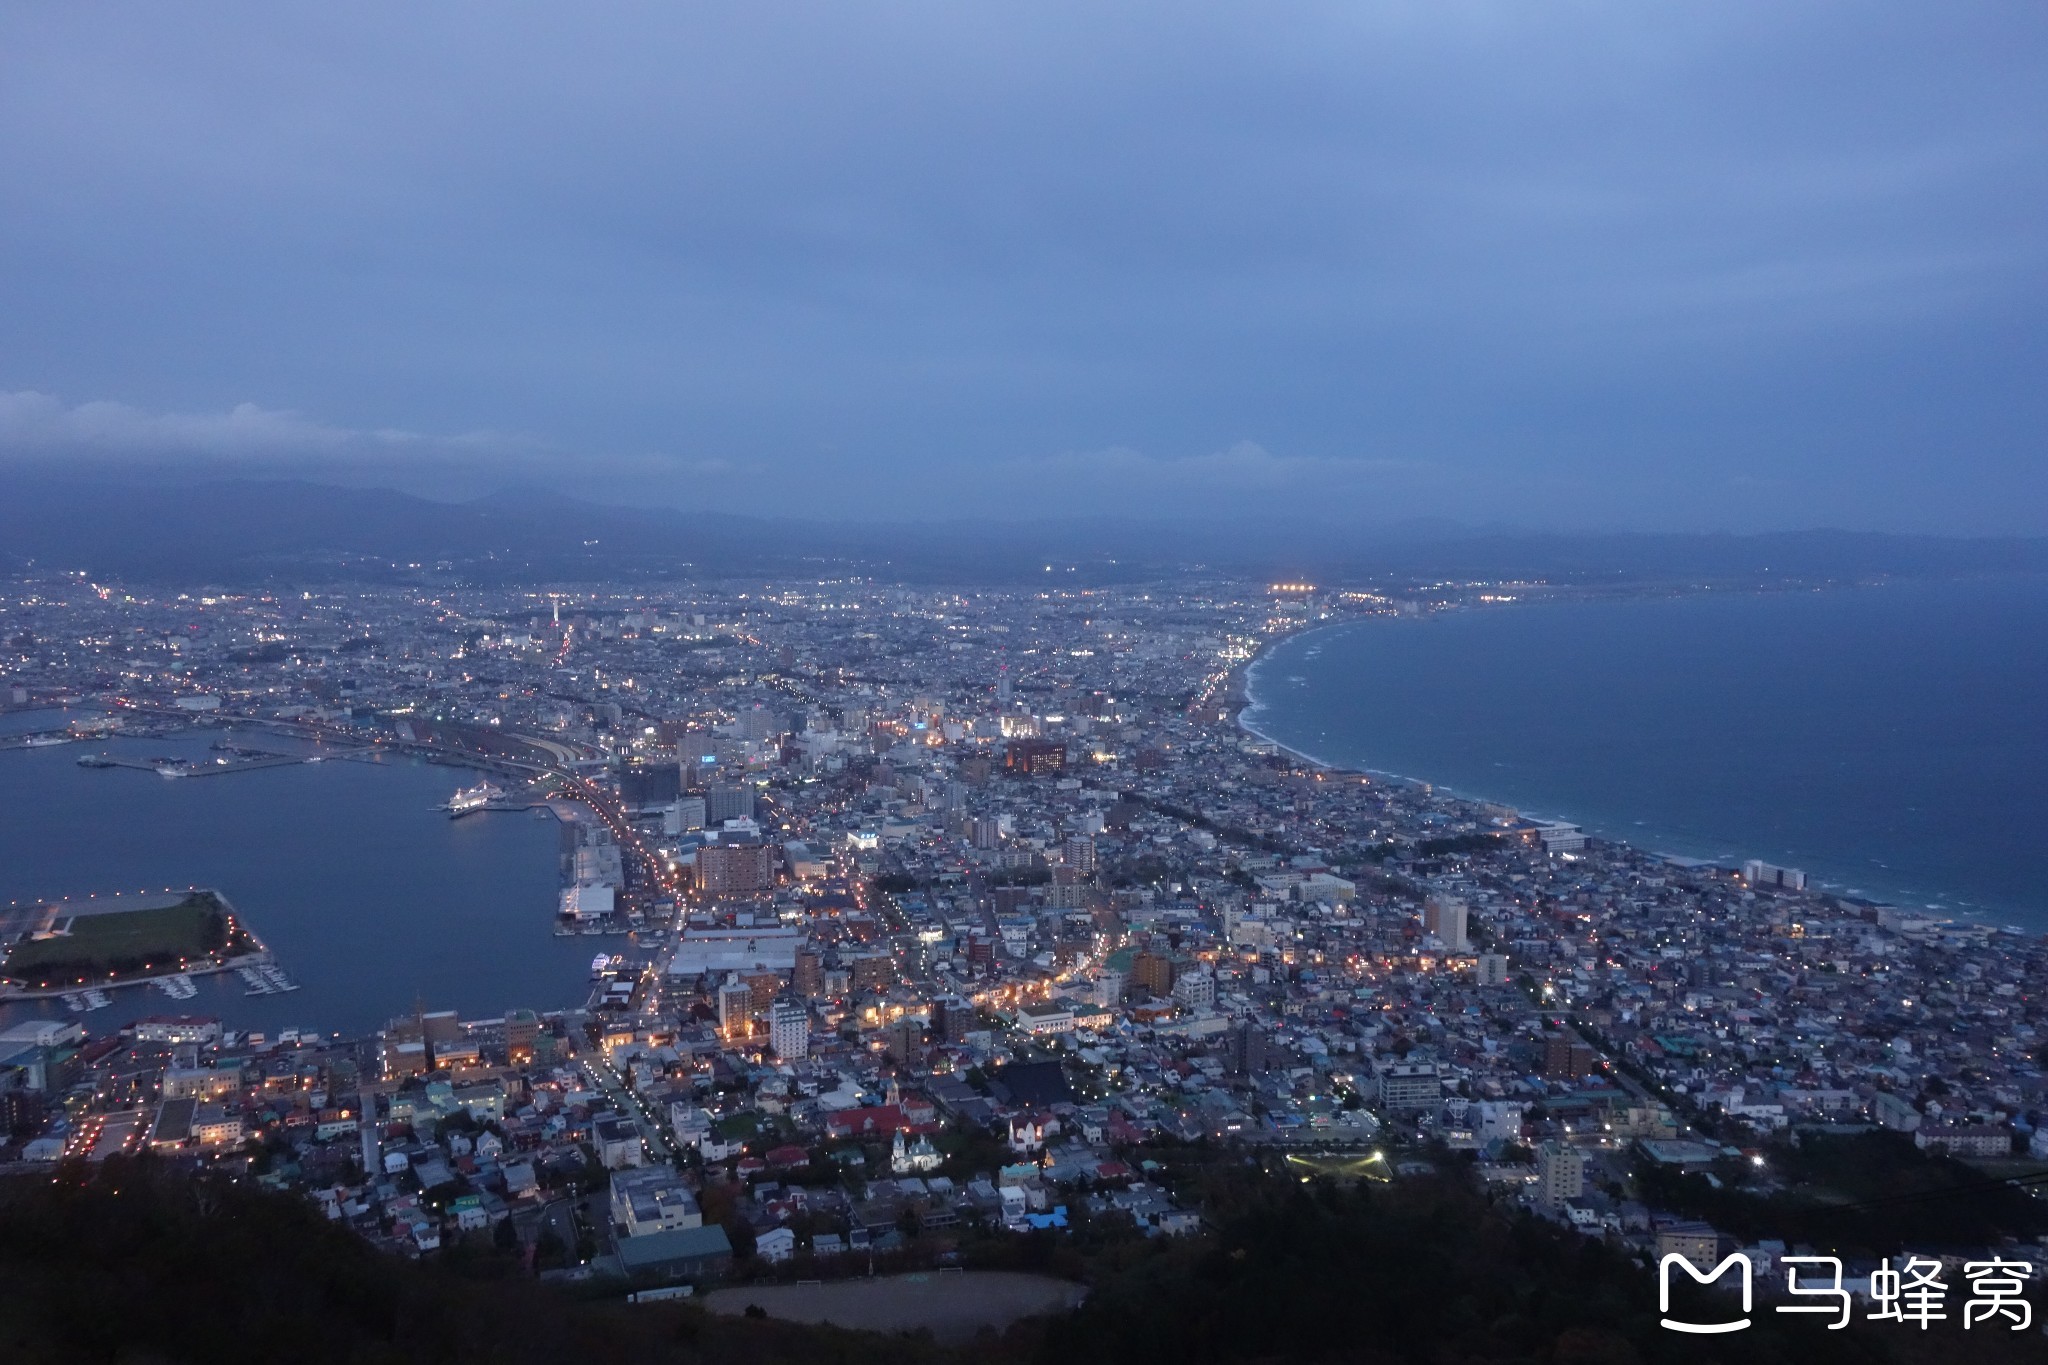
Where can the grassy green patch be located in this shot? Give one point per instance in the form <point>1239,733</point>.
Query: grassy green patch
<point>123,943</point>
<point>744,1127</point>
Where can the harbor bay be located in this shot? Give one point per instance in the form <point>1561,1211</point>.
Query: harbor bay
<point>350,871</point>
<point>1886,739</point>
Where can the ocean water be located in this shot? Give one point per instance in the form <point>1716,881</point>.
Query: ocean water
<point>1891,740</point>
<point>368,896</point>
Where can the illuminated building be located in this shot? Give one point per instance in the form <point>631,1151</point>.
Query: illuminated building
<point>1560,1173</point>
<point>789,1029</point>
<point>735,1008</point>
<point>735,869</point>
<point>1759,873</point>
<point>1035,757</point>
<point>1415,1085</point>
<point>1155,972</point>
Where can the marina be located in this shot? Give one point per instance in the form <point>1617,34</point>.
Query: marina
<point>265,979</point>
<point>179,987</point>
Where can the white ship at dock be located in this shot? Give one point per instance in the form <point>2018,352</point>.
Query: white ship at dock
<point>473,799</point>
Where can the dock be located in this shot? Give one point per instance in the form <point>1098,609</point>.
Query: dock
<point>177,767</point>
<point>265,978</point>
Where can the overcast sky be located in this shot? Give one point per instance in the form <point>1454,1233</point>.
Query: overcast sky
<point>1586,265</point>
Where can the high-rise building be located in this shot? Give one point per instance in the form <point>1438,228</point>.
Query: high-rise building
<point>650,784</point>
<point>1558,836</point>
<point>1109,986</point>
<point>1155,972</point>
<point>1196,990</point>
<point>1249,1050</point>
<point>735,869</point>
<point>808,977</point>
<point>765,986</point>
<point>953,1019</point>
<point>1445,917</point>
<point>1035,757</point>
<point>1410,1085</point>
<point>522,1027</point>
<point>725,801</point>
<point>1079,853</point>
<point>1003,686</point>
<point>1560,1173</point>
<point>1760,873</point>
<point>684,816</point>
<point>699,767</point>
<point>905,1037</point>
<point>1565,1058</point>
<point>1493,969</point>
<point>872,972</point>
<point>789,1029</point>
<point>735,1008</point>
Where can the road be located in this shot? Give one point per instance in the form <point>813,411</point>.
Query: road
<point>653,1130</point>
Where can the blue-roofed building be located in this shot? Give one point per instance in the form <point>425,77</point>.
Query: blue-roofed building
<point>685,1253</point>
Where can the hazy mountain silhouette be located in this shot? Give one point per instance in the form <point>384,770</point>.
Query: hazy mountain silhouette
<point>256,530</point>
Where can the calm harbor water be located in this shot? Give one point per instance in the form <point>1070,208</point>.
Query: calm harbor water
<point>368,895</point>
<point>1890,740</point>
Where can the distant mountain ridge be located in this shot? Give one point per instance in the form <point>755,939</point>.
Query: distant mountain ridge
<point>271,529</point>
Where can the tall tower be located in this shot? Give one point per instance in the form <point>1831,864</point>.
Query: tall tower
<point>1003,680</point>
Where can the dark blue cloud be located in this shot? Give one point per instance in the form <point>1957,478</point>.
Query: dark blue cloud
<point>1727,265</point>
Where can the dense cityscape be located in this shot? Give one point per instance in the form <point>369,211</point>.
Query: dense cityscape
<point>924,920</point>
<point>1346,684</point>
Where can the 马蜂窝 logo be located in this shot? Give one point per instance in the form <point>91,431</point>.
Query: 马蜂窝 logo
<point>1735,1259</point>
<point>1914,1294</point>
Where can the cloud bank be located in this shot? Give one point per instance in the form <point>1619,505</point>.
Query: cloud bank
<point>1583,263</point>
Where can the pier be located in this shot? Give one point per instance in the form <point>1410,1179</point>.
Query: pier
<point>174,767</point>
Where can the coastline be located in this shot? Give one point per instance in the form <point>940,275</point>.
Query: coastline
<point>1245,679</point>
<point>1689,846</point>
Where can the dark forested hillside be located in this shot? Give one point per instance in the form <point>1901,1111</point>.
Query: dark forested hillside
<point>144,1266</point>
<point>137,1264</point>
